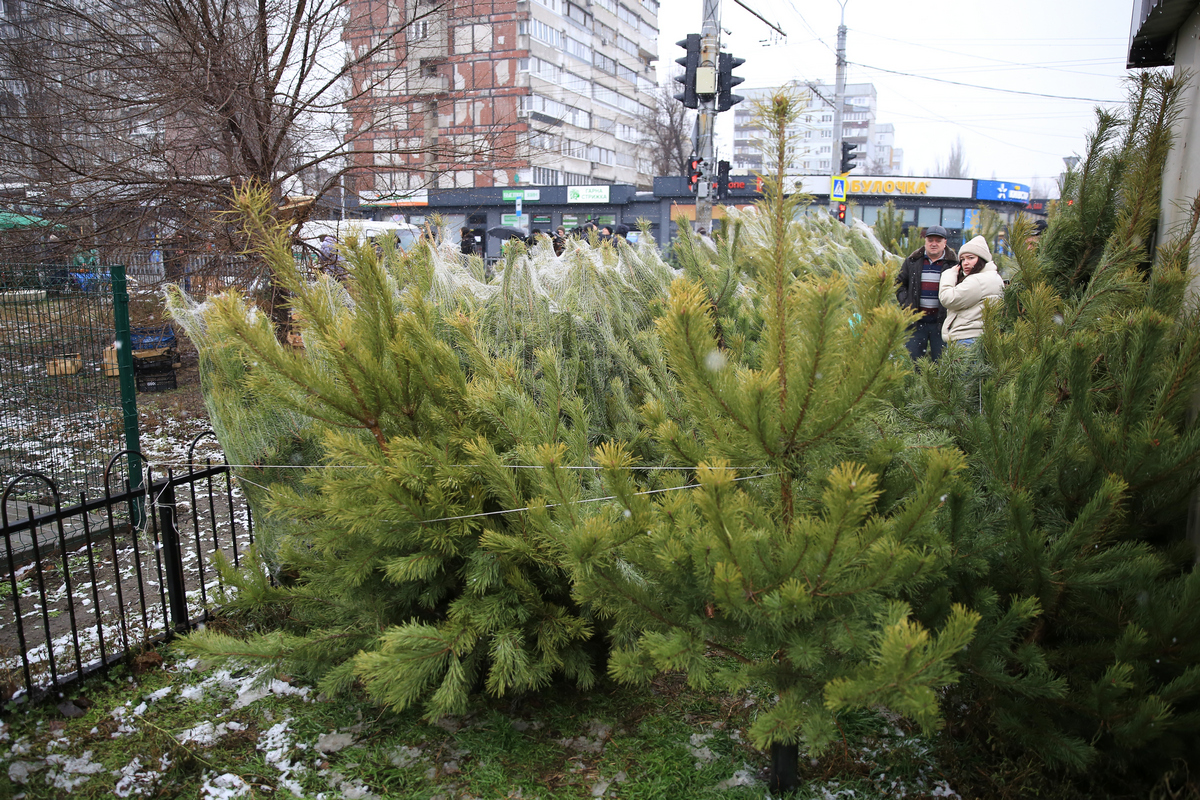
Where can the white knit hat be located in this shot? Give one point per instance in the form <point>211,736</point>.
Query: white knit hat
<point>978,246</point>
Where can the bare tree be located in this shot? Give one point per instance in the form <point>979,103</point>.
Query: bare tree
<point>956,165</point>
<point>667,128</point>
<point>124,117</point>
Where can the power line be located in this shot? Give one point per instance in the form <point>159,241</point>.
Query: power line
<point>1046,66</point>
<point>977,86</point>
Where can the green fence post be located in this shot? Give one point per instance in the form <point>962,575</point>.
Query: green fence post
<point>128,388</point>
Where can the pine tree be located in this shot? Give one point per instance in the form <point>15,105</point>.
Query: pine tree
<point>775,555</point>
<point>417,543</point>
<point>1073,412</point>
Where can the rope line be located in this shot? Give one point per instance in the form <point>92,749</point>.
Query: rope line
<point>426,466</point>
<point>550,505</point>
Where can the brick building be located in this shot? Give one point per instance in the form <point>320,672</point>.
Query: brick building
<point>484,93</point>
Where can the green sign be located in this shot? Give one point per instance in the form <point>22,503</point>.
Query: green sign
<point>532,195</point>
<point>587,194</point>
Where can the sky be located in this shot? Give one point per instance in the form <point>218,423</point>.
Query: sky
<point>1044,68</point>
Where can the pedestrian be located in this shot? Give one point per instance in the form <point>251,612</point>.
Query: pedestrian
<point>965,290</point>
<point>330,261</point>
<point>917,287</point>
<point>606,234</point>
<point>560,240</point>
<point>468,242</point>
<point>1035,235</point>
<point>621,231</point>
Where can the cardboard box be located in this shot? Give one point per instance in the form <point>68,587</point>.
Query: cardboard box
<point>108,362</point>
<point>66,364</point>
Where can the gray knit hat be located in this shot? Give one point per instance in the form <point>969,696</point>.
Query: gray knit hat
<point>978,246</point>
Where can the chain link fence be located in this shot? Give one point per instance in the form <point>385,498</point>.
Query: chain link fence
<point>61,409</point>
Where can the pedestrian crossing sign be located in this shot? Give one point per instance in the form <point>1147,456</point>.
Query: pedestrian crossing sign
<point>837,190</point>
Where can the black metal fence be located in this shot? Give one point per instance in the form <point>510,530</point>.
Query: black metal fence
<point>81,589</point>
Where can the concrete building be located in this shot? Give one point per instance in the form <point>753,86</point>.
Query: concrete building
<point>493,93</point>
<point>1167,33</point>
<point>813,131</point>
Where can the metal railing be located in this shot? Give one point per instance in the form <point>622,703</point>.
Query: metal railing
<point>81,589</point>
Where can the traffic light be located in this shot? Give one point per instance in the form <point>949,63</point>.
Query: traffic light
<point>841,212</point>
<point>848,156</point>
<point>722,179</point>
<point>726,80</point>
<point>695,173</point>
<point>690,63</point>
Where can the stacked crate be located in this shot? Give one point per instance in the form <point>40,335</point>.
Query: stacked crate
<point>155,358</point>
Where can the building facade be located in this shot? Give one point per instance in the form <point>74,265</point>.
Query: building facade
<point>487,93</point>
<point>813,131</point>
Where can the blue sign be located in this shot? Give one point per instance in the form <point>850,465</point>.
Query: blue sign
<point>837,189</point>
<point>1002,190</point>
<point>970,218</point>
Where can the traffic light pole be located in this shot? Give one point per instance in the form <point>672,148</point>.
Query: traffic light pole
<point>839,100</point>
<point>710,46</point>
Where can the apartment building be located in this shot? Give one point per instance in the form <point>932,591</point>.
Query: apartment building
<point>813,131</point>
<point>484,93</point>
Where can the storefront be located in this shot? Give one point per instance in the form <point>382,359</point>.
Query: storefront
<point>949,202</point>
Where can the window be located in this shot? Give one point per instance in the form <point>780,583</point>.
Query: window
<point>418,30</point>
<point>952,217</point>
<point>545,177</point>
<point>578,49</point>
<point>539,30</point>
<point>929,216</point>
<point>577,14</point>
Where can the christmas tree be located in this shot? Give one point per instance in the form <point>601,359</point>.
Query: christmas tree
<point>774,551</point>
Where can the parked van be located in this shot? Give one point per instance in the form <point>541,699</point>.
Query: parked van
<point>314,232</point>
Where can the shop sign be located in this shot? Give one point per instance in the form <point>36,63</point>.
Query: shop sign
<point>587,194</point>
<point>416,197</point>
<point>889,186</point>
<point>532,195</point>
<point>1002,190</point>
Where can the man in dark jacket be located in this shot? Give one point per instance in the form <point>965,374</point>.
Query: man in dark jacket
<point>917,288</point>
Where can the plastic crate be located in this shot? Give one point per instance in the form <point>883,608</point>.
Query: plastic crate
<point>159,381</point>
<point>154,360</point>
<point>152,338</point>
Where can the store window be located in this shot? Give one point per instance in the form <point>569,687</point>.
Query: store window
<point>929,216</point>
<point>870,214</point>
<point>952,217</point>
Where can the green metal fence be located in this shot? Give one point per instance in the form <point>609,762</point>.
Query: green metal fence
<point>67,399</point>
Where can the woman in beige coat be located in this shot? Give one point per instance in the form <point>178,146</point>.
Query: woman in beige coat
<point>964,290</point>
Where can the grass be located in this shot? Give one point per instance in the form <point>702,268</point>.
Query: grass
<point>166,727</point>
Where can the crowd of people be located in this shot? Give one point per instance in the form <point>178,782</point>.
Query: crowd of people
<point>472,243</point>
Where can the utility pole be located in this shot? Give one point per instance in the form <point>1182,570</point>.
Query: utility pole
<point>706,88</point>
<point>839,100</point>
